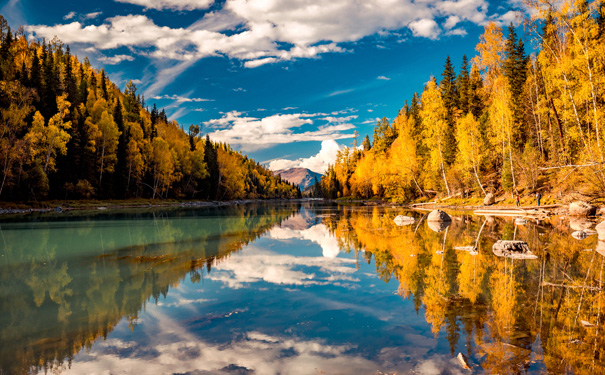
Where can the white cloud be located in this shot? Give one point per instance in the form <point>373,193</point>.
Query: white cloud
<point>260,32</point>
<point>426,28</point>
<point>113,60</point>
<point>261,265</point>
<point>69,15</point>
<point>340,92</point>
<point>317,163</point>
<point>181,99</point>
<point>170,4</point>
<point>383,78</point>
<point>251,133</point>
<point>317,233</point>
<point>93,15</point>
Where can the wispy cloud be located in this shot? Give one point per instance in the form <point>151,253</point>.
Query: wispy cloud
<point>170,4</point>
<point>69,15</point>
<point>181,99</point>
<point>383,78</point>
<point>340,92</point>
<point>113,60</point>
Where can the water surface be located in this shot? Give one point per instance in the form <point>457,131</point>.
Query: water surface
<point>295,289</point>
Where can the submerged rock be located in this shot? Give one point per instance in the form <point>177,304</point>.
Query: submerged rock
<point>402,220</point>
<point>581,208</point>
<point>513,249</point>
<point>439,216</point>
<point>489,199</point>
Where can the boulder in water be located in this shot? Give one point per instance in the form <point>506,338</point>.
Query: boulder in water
<point>438,216</point>
<point>513,249</point>
<point>402,220</point>
<point>580,208</point>
<point>489,199</point>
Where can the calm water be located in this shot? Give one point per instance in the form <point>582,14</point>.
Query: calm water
<point>295,289</point>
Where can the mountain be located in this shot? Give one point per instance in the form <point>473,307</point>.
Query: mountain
<point>302,177</point>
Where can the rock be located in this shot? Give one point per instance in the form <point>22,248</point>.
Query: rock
<point>579,223</point>
<point>58,209</point>
<point>439,216</point>
<point>402,220</point>
<point>600,248</point>
<point>589,232</point>
<point>513,249</point>
<point>601,211</point>
<point>579,235</point>
<point>438,226</point>
<point>580,208</point>
<point>489,199</point>
<point>520,221</point>
<point>600,228</point>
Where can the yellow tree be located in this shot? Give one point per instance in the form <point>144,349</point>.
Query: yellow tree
<point>433,114</point>
<point>12,122</point>
<point>470,146</point>
<point>162,166</point>
<point>107,144</point>
<point>48,140</point>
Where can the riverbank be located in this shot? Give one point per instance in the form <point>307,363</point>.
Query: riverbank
<point>11,208</point>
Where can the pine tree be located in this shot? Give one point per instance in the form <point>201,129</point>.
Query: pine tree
<point>463,86</point>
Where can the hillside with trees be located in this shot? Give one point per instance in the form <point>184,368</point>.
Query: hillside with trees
<point>506,122</point>
<point>68,132</point>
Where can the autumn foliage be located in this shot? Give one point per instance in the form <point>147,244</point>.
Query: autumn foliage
<point>67,132</point>
<point>507,122</point>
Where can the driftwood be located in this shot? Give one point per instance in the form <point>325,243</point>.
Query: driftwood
<point>587,287</point>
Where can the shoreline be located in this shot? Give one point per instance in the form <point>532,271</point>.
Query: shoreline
<point>69,206</point>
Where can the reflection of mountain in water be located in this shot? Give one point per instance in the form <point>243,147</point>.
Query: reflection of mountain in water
<point>509,316</point>
<point>306,226</point>
<point>64,284</point>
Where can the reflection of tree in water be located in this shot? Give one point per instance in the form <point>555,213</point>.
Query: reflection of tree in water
<point>516,315</point>
<point>52,305</point>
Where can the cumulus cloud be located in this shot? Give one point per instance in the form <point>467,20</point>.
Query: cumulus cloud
<point>170,4</point>
<point>251,133</point>
<point>317,163</point>
<point>426,28</point>
<point>260,32</point>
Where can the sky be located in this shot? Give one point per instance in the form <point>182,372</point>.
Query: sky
<point>287,82</point>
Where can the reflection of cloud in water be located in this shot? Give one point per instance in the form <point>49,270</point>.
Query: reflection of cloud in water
<point>256,265</point>
<point>182,301</point>
<point>318,233</point>
<point>174,349</point>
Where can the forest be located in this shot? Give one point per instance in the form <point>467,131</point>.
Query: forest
<point>68,132</point>
<point>508,122</point>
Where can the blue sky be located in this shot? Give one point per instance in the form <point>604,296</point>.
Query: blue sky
<point>287,82</point>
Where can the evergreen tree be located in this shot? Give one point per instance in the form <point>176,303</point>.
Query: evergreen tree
<point>463,86</point>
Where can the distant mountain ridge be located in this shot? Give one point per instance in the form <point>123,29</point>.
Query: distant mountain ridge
<point>302,177</point>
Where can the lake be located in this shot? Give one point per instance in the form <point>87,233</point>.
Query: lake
<point>296,288</point>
